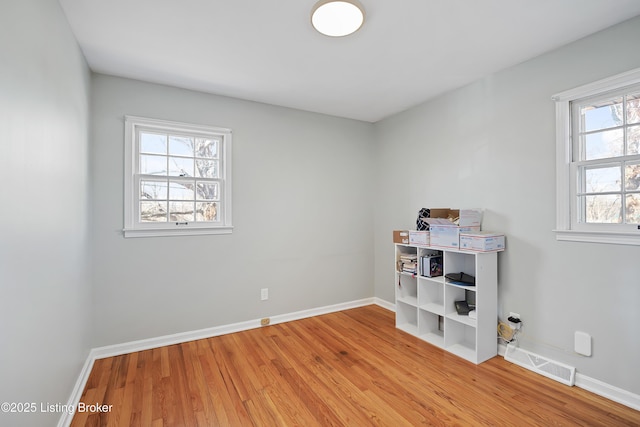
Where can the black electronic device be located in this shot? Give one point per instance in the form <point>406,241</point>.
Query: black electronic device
<point>462,307</point>
<point>461,279</point>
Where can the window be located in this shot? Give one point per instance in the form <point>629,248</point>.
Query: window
<point>598,161</point>
<point>177,178</point>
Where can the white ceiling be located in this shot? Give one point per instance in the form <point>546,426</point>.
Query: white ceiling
<point>266,50</point>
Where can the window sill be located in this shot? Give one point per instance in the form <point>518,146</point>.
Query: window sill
<point>598,237</point>
<point>166,232</point>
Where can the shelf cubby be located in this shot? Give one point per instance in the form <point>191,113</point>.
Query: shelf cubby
<point>406,318</point>
<point>407,289</point>
<point>460,339</point>
<point>431,296</point>
<point>430,327</point>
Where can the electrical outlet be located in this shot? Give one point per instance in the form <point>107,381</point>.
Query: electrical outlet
<point>265,321</point>
<point>264,294</point>
<point>514,321</point>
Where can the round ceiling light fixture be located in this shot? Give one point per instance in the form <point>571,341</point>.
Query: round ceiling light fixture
<point>337,18</point>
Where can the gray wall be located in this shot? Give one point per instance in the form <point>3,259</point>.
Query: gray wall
<point>44,219</point>
<point>301,200</point>
<point>315,200</point>
<point>491,144</point>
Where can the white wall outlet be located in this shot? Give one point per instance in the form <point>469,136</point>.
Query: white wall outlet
<point>582,343</point>
<point>264,294</point>
<point>514,315</point>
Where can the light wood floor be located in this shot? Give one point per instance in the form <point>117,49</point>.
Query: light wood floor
<point>351,368</point>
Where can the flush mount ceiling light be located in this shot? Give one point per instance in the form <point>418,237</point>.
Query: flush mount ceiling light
<point>337,18</point>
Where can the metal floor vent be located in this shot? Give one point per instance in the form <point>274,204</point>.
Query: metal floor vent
<point>543,366</point>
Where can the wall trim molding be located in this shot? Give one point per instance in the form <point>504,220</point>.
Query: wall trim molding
<point>590,384</point>
<point>609,391</point>
<point>598,387</point>
<point>78,388</point>
<point>182,337</point>
<point>385,304</point>
<point>146,344</point>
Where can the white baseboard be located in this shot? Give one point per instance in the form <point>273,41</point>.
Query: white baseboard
<point>385,304</point>
<point>78,388</point>
<point>146,344</point>
<point>614,393</point>
<point>595,386</point>
<point>600,388</point>
<point>502,349</point>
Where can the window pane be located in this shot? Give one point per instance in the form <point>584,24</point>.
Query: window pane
<point>181,190</point>
<point>599,180</point>
<point>153,143</point>
<point>207,148</point>
<point>207,191</point>
<point>181,146</point>
<point>602,209</point>
<point>605,144</point>
<point>176,175</point>
<point>633,140</point>
<point>153,190</point>
<point>632,177</point>
<point>207,169</point>
<point>181,211</point>
<point>602,115</point>
<point>633,209</point>
<point>633,108</point>
<point>153,211</point>
<point>206,211</point>
<point>179,166</point>
<point>153,165</point>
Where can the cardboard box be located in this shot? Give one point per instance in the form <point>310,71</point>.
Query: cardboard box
<point>445,213</point>
<point>470,217</point>
<point>465,217</point>
<point>419,238</point>
<point>446,234</point>
<point>484,241</point>
<point>401,236</point>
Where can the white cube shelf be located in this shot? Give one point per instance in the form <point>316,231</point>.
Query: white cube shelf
<point>425,306</point>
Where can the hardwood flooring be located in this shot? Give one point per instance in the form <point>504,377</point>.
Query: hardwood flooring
<point>351,368</point>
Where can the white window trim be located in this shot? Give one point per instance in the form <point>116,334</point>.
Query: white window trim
<point>566,210</point>
<point>132,228</point>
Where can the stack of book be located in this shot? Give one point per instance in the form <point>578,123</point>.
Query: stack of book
<point>409,263</point>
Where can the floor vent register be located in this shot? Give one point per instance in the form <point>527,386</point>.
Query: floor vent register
<point>549,368</point>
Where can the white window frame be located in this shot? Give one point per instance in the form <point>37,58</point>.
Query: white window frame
<point>133,227</point>
<point>568,226</point>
